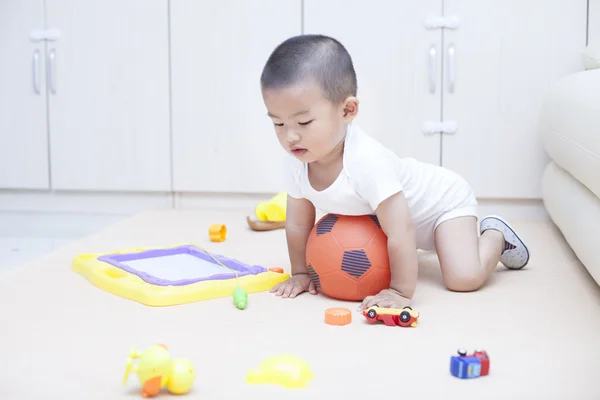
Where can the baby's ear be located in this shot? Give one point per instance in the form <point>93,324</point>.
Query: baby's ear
<point>350,108</point>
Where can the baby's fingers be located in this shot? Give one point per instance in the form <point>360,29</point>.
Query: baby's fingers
<point>312,288</point>
<point>281,289</point>
<point>386,303</point>
<point>368,302</point>
<point>288,290</point>
<point>296,290</point>
<point>276,287</point>
<point>363,305</point>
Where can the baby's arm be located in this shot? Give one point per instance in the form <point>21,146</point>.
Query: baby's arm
<point>300,219</point>
<point>395,220</point>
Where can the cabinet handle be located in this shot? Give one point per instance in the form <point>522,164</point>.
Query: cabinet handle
<point>437,127</point>
<point>52,70</point>
<point>451,67</point>
<point>432,54</point>
<point>35,69</point>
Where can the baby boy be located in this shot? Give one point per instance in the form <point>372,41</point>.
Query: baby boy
<point>309,87</point>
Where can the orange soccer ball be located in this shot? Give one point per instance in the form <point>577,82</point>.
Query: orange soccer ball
<point>347,256</point>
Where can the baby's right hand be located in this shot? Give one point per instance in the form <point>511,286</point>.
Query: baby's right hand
<point>294,286</point>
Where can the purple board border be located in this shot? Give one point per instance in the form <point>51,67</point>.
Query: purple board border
<point>243,269</point>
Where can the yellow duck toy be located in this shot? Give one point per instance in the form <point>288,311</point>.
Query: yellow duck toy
<point>156,369</point>
<point>270,214</point>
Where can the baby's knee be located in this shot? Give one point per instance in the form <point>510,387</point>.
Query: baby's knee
<point>464,282</point>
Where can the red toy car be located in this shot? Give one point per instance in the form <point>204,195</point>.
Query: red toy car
<point>392,316</point>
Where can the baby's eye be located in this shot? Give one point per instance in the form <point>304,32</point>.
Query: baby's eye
<point>306,123</point>
<point>276,124</point>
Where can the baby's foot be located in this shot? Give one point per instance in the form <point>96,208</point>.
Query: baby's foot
<point>515,254</point>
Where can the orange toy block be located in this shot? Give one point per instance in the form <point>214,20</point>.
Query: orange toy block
<point>338,316</point>
<point>217,232</point>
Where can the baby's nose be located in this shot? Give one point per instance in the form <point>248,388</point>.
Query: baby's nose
<point>292,136</point>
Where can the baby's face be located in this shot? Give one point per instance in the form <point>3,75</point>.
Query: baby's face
<point>307,124</point>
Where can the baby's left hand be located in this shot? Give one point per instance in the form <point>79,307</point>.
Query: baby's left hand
<point>387,298</point>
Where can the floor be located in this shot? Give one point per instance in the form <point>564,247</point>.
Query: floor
<point>541,326</point>
<point>26,236</point>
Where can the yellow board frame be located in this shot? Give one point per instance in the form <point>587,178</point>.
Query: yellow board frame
<point>130,286</point>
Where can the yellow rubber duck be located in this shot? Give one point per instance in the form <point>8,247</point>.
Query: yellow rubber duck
<point>155,370</point>
<point>182,377</point>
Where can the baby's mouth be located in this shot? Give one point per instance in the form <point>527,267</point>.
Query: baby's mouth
<point>297,151</point>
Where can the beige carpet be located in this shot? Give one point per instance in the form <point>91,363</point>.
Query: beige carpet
<point>65,339</point>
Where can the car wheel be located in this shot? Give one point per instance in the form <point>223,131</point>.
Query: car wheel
<point>462,352</point>
<point>405,316</point>
<point>407,308</point>
<point>372,314</point>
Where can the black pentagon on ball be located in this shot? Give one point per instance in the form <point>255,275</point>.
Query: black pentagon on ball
<point>326,224</point>
<point>314,276</point>
<point>355,263</point>
<point>375,219</point>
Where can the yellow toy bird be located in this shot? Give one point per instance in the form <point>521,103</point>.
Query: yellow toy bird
<point>156,369</point>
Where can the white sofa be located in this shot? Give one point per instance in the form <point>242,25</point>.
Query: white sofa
<point>570,132</point>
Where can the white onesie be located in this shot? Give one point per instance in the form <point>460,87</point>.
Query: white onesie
<point>371,173</point>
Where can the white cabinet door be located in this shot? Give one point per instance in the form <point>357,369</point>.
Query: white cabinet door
<point>594,23</point>
<point>507,54</point>
<point>222,138</point>
<point>398,67</point>
<point>23,133</point>
<point>109,101</point>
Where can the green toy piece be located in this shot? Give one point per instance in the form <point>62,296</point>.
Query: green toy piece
<point>240,298</point>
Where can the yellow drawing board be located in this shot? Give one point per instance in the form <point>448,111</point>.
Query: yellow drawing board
<point>172,275</point>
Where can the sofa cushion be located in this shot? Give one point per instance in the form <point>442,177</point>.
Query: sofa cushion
<point>570,126</point>
<point>576,211</point>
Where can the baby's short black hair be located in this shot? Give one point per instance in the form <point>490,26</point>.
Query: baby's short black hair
<point>319,58</point>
